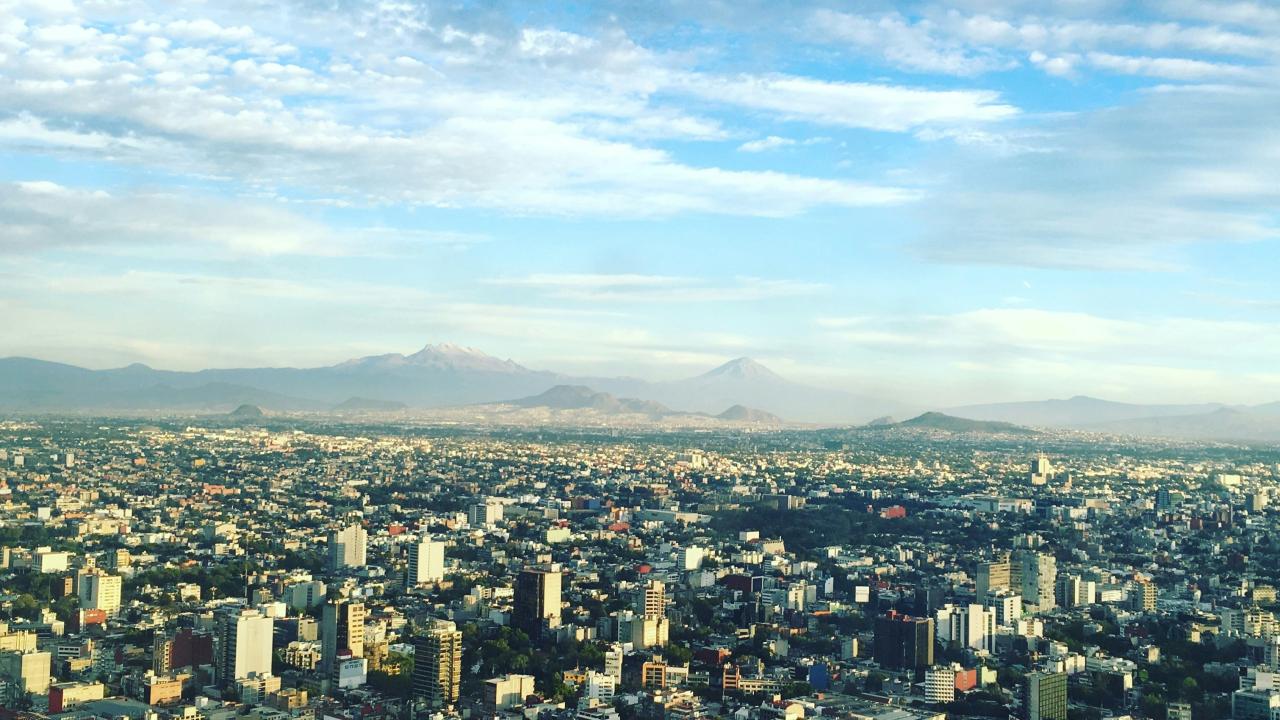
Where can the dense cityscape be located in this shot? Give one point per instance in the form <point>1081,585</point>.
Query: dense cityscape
<point>279,569</point>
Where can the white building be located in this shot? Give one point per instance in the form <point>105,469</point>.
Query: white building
<point>347,547</point>
<point>939,684</point>
<point>244,644</point>
<point>99,591</point>
<point>426,562</point>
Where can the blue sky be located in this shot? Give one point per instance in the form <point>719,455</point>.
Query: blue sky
<point>939,202</point>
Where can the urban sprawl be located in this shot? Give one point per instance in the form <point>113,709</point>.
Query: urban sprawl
<point>209,570</point>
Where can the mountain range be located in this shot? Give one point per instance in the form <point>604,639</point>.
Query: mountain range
<point>1203,421</point>
<point>437,376</point>
<point>451,376</point>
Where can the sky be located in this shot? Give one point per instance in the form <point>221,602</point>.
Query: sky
<point>978,200</point>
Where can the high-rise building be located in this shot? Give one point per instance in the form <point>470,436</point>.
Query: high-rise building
<point>940,684</point>
<point>599,686</point>
<point>243,644</point>
<point>928,599</point>
<point>536,606</point>
<point>485,514</point>
<point>1039,573</point>
<point>903,642</point>
<point>1041,471</point>
<point>347,547</point>
<point>99,591</point>
<point>437,664</point>
<point>341,634</point>
<point>1142,595</point>
<point>613,658</point>
<point>1073,591</point>
<point>968,626</point>
<point>653,599</point>
<point>1046,696</point>
<point>991,577</point>
<point>426,562</point>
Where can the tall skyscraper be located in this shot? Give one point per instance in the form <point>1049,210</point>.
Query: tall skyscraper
<point>537,600</point>
<point>341,631</point>
<point>426,562</point>
<point>1046,696</point>
<point>903,642</point>
<point>347,547</point>
<point>437,664</point>
<point>243,644</point>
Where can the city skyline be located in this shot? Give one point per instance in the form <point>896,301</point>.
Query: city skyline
<point>946,202</point>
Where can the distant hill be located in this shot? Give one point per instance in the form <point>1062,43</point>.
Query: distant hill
<point>1078,412</point>
<point>359,404</point>
<point>581,397</point>
<point>1226,424</point>
<point>247,412</point>
<point>949,423</point>
<point>744,414</point>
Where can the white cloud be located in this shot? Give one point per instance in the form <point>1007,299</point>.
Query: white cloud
<point>912,46</point>
<point>40,215</point>
<point>372,129</point>
<point>772,142</point>
<point>632,288</point>
<point>1120,188</point>
<point>849,104</point>
<point>1170,68</point>
<point>1025,353</point>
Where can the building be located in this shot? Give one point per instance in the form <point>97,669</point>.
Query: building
<point>243,645</point>
<point>30,671</point>
<point>347,547</point>
<point>99,591</point>
<point>51,561</point>
<point>1073,591</point>
<point>536,606</point>
<point>426,562</point>
<point>653,599</point>
<point>1177,711</point>
<point>255,689</point>
<point>304,595</point>
<point>63,696</point>
<point>903,642</point>
<point>1142,595</point>
<point>506,692</point>
<point>939,684</point>
<point>1256,704</point>
<point>162,690</point>
<point>485,514</point>
<point>437,668</point>
<point>1039,573</point>
<point>341,634</point>
<point>1046,696</point>
<point>991,577</point>
<point>613,658</point>
<point>600,687</point>
<point>1041,471</point>
<point>969,626</point>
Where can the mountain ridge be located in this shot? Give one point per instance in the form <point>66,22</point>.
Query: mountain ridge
<point>437,376</point>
